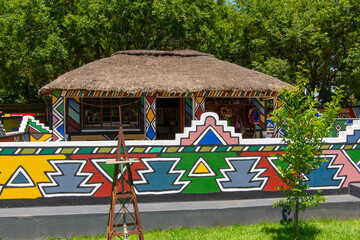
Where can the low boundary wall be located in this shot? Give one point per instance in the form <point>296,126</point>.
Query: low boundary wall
<point>208,161</point>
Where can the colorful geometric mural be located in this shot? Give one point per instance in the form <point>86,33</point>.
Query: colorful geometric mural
<point>209,157</point>
<point>345,118</point>
<point>58,125</point>
<point>37,131</point>
<point>30,130</point>
<point>188,111</point>
<point>73,116</point>
<point>142,114</point>
<point>2,131</point>
<point>81,93</point>
<point>353,112</point>
<point>150,117</point>
<point>338,126</point>
<point>260,105</point>
<point>198,107</point>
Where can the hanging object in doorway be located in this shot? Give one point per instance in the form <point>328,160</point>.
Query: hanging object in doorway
<point>226,113</point>
<point>254,116</point>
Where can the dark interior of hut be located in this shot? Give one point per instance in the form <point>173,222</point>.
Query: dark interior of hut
<point>168,118</point>
<point>238,112</point>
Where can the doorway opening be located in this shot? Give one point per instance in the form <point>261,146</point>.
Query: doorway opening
<point>168,121</point>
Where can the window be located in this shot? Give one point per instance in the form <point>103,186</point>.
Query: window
<point>104,112</point>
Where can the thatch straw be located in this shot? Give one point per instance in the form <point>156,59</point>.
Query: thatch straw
<point>163,71</point>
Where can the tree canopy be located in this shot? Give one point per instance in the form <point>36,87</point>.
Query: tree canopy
<point>40,40</point>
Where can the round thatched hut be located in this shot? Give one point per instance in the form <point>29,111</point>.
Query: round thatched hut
<point>160,91</point>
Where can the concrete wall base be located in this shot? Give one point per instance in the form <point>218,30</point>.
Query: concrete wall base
<point>67,221</point>
<point>354,189</point>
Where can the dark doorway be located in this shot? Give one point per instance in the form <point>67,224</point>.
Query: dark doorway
<point>168,117</point>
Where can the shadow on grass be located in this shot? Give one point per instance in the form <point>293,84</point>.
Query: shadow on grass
<point>287,231</point>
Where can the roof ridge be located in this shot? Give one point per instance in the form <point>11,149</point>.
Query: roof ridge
<point>180,53</point>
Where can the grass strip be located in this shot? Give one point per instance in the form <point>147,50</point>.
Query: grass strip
<point>312,229</point>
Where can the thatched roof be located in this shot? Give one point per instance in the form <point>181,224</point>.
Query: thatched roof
<point>163,71</point>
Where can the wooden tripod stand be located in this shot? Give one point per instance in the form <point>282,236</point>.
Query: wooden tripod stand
<point>123,195</point>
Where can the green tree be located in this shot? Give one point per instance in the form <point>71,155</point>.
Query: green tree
<point>322,34</point>
<point>40,40</point>
<point>31,49</point>
<point>305,130</point>
<point>351,76</point>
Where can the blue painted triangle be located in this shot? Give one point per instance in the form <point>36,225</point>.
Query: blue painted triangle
<point>20,178</point>
<point>270,124</point>
<point>348,122</point>
<point>210,139</point>
<point>61,129</point>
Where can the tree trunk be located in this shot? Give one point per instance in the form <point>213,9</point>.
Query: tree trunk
<point>297,219</point>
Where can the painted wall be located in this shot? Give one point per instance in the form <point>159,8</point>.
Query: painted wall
<point>208,160</point>
<point>11,123</point>
<point>345,118</point>
<point>2,130</point>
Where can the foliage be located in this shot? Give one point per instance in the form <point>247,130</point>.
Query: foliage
<point>40,40</point>
<point>351,77</point>
<point>322,34</point>
<point>305,130</point>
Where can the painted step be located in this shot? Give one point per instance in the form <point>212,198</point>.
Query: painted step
<point>354,189</point>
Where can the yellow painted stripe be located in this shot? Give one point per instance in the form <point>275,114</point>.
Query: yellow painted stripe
<point>205,149</point>
<point>237,148</point>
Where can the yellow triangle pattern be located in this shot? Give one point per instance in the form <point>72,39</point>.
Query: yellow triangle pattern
<point>201,168</point>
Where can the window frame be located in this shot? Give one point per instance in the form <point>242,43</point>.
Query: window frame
<point>101,116</point>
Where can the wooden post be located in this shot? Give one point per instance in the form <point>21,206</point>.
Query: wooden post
<point>123,194</point>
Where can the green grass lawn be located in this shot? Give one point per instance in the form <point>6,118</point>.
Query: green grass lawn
<point>314,229</point>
